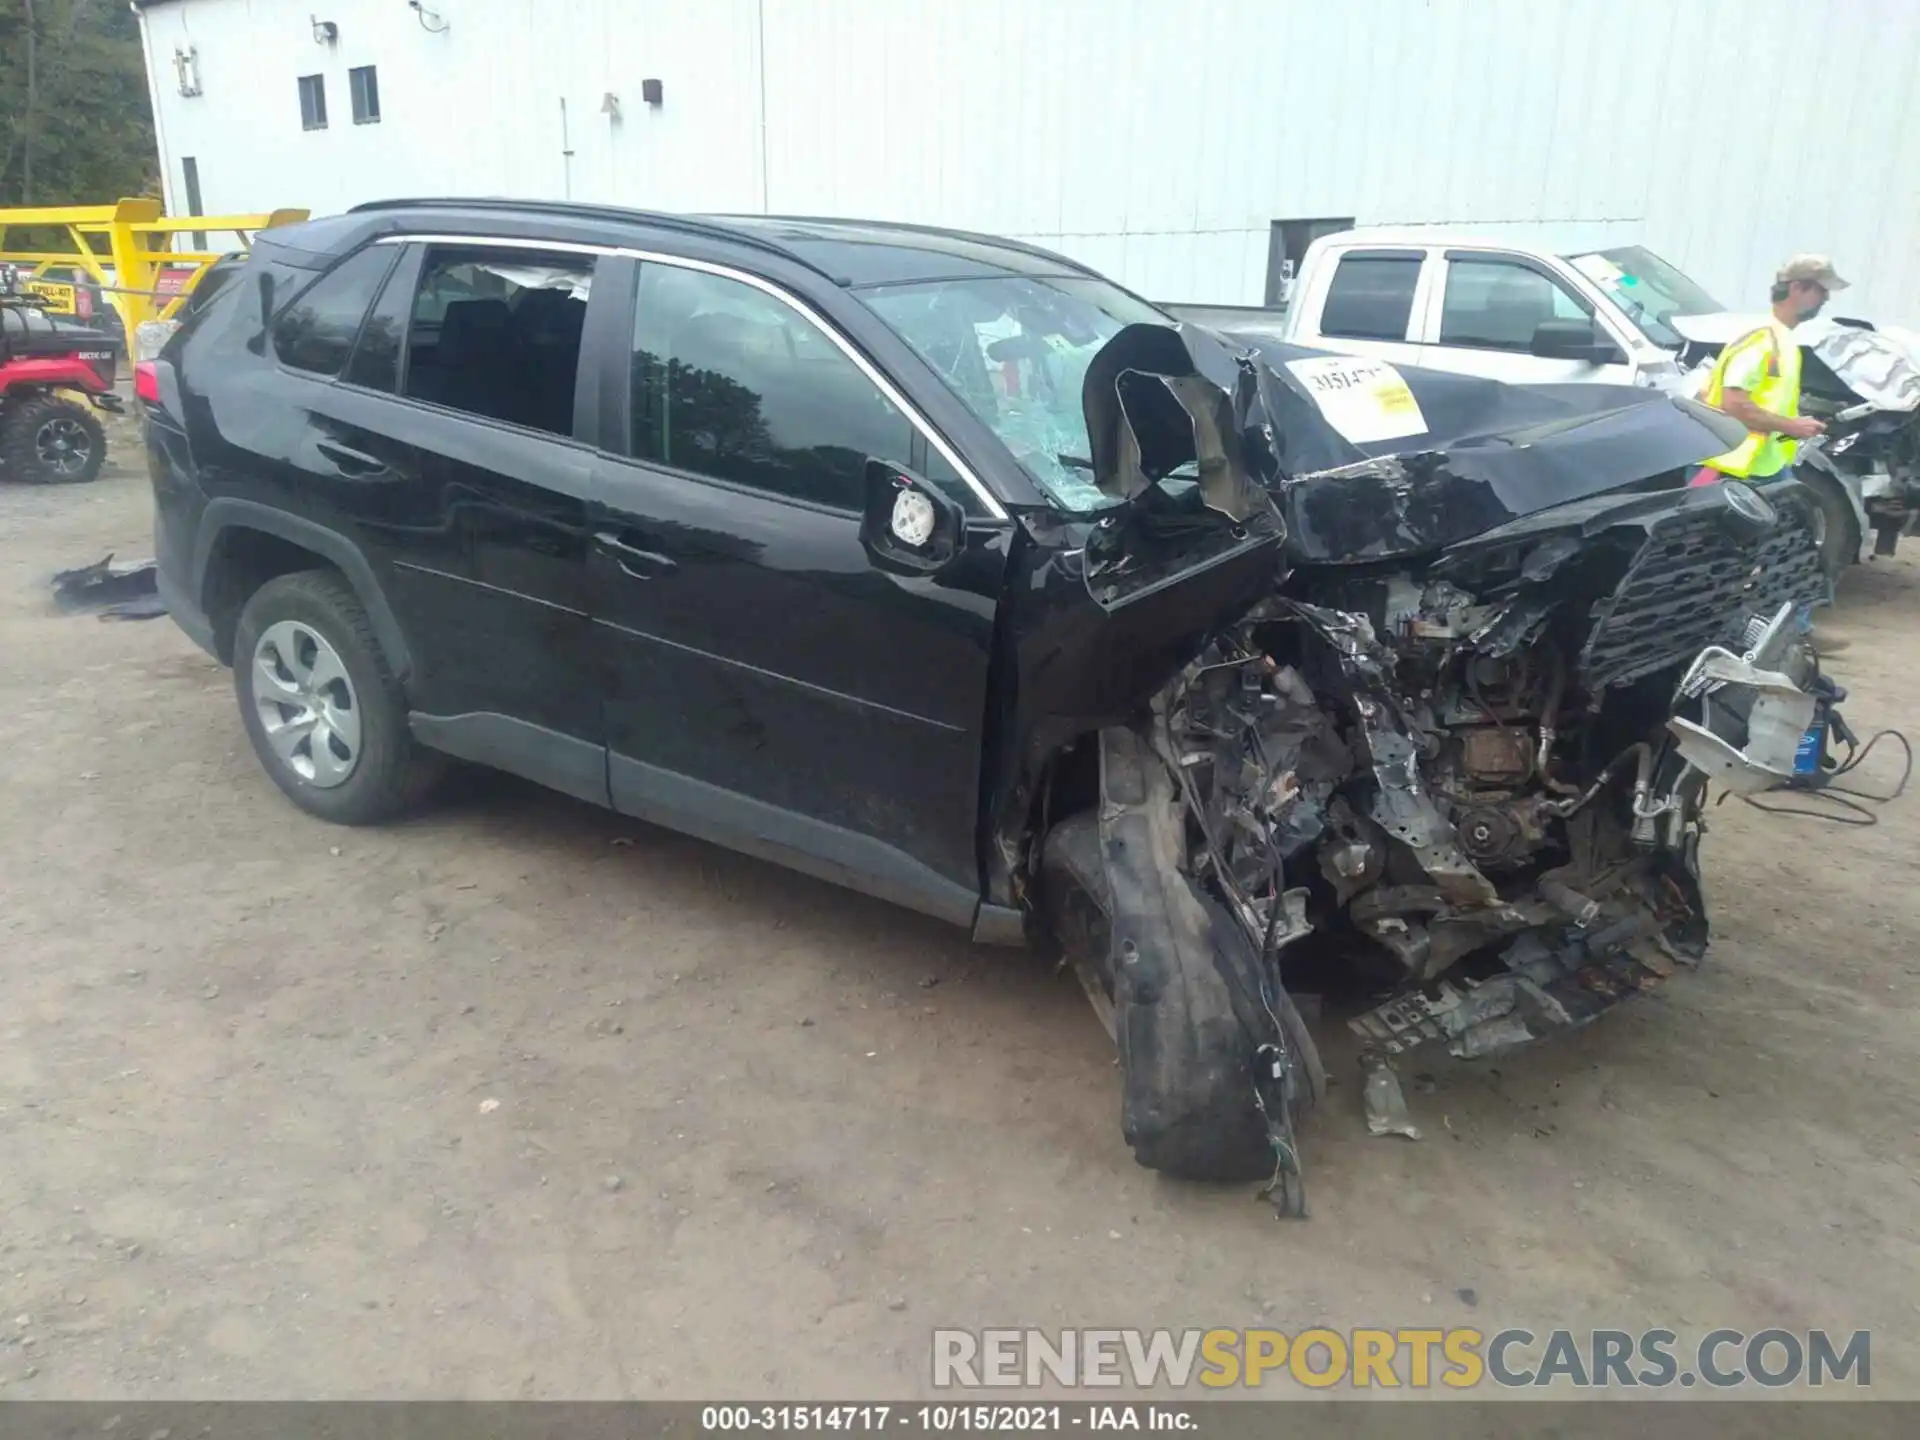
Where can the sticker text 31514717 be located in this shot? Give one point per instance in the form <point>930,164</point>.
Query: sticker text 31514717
<point>1365,400</point>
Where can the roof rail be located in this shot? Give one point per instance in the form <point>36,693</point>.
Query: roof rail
<point>685,224</point>
<point>1004,242</point>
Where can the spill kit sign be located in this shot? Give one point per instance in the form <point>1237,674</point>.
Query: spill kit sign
<point>55,296</point>
<point>1365,400</point>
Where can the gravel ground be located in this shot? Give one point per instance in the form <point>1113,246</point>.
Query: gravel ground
<point>522,1099</point>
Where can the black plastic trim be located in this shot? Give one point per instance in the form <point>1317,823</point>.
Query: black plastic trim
<point>603,397</point>
<point>185,613</point>
<point>798,842</point>
<point>227,512</point>
<point>1383,252</point>
<point>560,762</point>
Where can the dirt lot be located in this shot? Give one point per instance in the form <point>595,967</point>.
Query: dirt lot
<point>526,1100</point>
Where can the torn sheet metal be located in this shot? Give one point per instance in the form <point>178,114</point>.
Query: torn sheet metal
<point>1152,413</point>
<point>1386,1102</point>
<point>1363,459</point>
<point>114,592</point>
<point>1553,983</point>
<point>1751,726</point>
<point>1881,366</point>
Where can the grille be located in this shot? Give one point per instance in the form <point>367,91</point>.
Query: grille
<point>1695,583</point>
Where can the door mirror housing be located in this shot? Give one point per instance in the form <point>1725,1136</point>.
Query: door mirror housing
<point>909,526</point>
<point>1574,340</point>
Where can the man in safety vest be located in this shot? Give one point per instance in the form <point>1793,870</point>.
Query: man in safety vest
<point>1756,380</point>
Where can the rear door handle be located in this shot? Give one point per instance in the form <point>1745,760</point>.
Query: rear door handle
<point>353,462</point>
<point>639,563</point>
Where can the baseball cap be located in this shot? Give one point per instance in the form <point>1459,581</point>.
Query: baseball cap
<point>1817,268</point>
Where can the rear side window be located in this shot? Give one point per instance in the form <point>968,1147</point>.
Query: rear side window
<point>211,283</point>
<point>315,333</point>
<point>732,383</point>
<point>1496,305</point>
<point>1371,297</point>
<point>496,333</point>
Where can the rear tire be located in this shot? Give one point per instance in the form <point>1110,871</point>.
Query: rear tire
<point>45,440</point>
<point>327,719</point>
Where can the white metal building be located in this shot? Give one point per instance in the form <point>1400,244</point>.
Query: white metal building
<point>1166,142</point>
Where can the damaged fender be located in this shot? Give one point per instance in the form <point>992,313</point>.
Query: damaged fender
<point>1188,992</point>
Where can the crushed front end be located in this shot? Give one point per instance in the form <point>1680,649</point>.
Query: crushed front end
<point>1456,759</point>
<point>1519,828</point>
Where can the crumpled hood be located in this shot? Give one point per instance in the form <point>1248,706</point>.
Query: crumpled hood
<point>1365,459</point>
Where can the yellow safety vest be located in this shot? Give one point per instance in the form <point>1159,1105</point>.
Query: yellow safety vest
<point>1779,391</point>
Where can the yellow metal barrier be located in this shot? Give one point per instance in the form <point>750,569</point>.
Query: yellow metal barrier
<point>126,250</point>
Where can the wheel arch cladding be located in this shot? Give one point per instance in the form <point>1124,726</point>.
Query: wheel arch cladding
<point>1187,1104</point>
<point>242,545</point>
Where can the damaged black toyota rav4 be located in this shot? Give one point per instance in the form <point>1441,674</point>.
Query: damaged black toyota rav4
<point>940,567</point>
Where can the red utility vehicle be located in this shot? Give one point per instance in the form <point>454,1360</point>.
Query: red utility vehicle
<point>47,436</point>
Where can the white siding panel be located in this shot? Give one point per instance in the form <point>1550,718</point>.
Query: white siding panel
<point>1152,138</point>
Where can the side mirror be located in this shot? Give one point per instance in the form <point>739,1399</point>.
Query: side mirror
<point>1574,340</point>
<point>909,526</point>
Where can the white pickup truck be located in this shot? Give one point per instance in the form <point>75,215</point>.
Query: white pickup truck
<point>1479,307</point>
<point>1620,316</point>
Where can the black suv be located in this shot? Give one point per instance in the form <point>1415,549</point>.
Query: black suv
<point>940,567</point>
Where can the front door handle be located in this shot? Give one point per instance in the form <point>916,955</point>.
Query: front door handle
<point>356,463</point>
<point>641,564</point>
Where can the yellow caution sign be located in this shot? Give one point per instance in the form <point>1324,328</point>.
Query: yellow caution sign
<point>55,296</point>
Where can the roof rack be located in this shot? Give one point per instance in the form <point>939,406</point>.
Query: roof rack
<point>946,233</point>
<point>685,224</point>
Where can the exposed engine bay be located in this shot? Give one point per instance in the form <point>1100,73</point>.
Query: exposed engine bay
<point>1465,763</point>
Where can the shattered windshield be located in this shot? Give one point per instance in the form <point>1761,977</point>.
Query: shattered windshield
<point>1647,288</point>
<point>1015,349</point>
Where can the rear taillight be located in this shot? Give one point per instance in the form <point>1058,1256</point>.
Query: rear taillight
<point>146,381</point>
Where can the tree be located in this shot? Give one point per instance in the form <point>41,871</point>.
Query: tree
<point>76,127</point>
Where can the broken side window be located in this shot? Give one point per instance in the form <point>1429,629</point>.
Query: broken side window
<point>497,334</point>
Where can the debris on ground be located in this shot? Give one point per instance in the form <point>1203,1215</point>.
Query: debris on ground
<point>129,591</point>
<point>1386,1103</point>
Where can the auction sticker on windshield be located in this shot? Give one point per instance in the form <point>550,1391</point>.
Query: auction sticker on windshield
<point>1365,400</point>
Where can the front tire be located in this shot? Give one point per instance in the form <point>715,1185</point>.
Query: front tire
<point>1188,1106</point>
<point>45,440</point>
<point>327,719</point>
